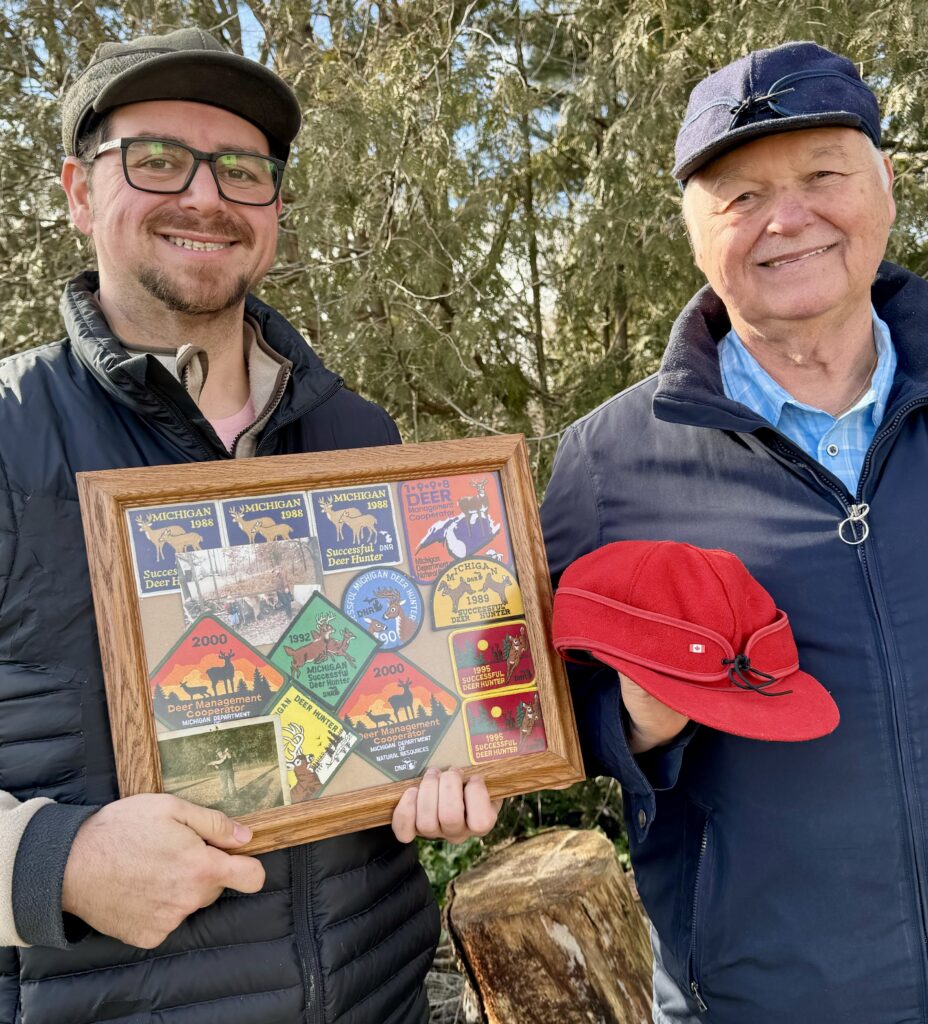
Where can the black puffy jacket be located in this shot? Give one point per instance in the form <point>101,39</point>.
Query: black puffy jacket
<point>345,929</point>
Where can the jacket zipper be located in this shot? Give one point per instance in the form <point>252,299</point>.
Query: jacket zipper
<point>269,406</point>
<point>305,937</point>
<point>852,510</point>
<point>324,397</point>
<point>694,974</point>
<point>300,866</point>
<point>887,652</point>
<point>209,454</point>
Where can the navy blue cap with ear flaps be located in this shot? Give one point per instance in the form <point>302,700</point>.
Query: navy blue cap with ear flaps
<point>794,86</point>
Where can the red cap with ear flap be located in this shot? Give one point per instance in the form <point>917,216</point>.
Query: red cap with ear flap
<point>698,632</point>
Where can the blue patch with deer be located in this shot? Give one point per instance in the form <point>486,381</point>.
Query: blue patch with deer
<point>387,604</point>
<point>356,527</point>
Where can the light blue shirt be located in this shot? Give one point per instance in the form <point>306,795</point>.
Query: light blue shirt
<point>838,444</point>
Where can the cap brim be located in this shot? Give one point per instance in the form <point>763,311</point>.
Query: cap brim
<point>807,713</point>
<point>224,80</point>
<point>773,126</point>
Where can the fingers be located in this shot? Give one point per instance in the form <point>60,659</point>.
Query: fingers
<point>212,826</point>
<point>243,874</point>
<point>651,723</point>
<point>141,865</point>
<point>444,807</point>
<point>481,810</point>
<point>446,817</point>
<point>632,691</point>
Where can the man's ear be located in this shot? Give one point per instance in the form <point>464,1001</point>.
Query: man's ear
<point>690,230</point>
<point>890,181</point>
<point>76,184</point>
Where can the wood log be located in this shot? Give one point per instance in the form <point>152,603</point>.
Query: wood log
<point>550,931</point>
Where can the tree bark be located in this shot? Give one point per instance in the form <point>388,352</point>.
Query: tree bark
<point>550,929</point>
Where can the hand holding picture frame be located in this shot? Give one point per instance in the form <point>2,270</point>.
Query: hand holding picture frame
<point>294,639</point>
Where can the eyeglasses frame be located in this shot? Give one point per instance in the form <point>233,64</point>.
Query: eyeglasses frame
<point>198,157</point>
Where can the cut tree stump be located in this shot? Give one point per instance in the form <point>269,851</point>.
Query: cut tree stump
<point>549,931</point>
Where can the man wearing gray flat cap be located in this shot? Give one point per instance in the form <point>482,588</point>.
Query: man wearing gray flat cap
<point>137,910</point>
<point>788,424</point>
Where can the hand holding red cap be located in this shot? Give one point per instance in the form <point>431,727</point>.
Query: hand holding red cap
<point>695,630</point>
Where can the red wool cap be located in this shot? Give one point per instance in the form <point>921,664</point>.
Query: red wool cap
<point>698,632</point>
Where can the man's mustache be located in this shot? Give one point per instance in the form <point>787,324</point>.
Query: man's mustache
<point>220,225</point>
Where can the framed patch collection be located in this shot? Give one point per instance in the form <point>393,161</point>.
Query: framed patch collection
<point>295,639</point>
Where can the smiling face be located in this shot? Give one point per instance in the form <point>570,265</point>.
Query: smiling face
<point>792,227</point>
<point>193,253</point>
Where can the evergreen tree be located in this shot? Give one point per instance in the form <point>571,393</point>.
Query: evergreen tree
<point>479,229</point>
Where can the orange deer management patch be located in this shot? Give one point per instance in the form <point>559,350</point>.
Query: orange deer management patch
<point>210,677</point>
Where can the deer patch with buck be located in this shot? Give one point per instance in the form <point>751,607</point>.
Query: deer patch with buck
<point>356,527</point>
<point>158,535</point>
<point>210,677</point>
<point>446,519</point>
<point>387,604</point>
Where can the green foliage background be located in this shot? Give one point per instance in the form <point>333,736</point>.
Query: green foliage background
<point>480,230</point>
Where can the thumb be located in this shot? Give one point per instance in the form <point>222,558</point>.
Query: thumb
<point>635,696</point>
<point>404,816</point>
<point>213,826</point>
<point>630,688</point>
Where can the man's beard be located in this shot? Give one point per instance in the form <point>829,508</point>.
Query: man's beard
<point>159,285</point>
<point>180,298</point>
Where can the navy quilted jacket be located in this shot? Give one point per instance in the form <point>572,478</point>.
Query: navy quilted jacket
<point>345,929</point>
<point>787,883</point>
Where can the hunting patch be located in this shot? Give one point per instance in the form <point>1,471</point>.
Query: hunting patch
<point>387,604</point>
<point>161,533</point>
<point>265,519</point>
<point>450,518</point>
<point>356,527</point>
<point>323,651</point>
<point>491,658</point>
<point>504,725</point>
<point>475,591</point>
<point>315,744</point>
<point>399,713</point>
<point>212,676</point>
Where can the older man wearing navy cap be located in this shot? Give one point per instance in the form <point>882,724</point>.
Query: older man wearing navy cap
<point>788,424</point>
<point>135,910</point>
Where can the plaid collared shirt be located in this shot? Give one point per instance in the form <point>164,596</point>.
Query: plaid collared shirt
<point>838,444</point>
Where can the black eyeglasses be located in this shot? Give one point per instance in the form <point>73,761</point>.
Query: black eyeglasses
<point>165,166</point>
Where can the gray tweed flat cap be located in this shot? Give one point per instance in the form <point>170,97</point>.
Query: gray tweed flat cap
<point>187,64</point>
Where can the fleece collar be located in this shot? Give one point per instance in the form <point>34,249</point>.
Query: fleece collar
<point>689,383</point>
<point>140,381</point>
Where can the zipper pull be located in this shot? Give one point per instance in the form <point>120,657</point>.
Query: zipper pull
<point>694,988</point>
<point>856,514</point>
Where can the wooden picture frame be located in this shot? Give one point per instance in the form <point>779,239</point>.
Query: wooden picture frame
<point>163,503</point>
